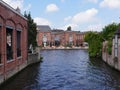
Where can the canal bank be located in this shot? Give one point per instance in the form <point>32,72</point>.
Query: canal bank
<point>32,58</point>
<point>64,48</point>
<point>66,70</point>
<point>111,50</point>
<point>111,60</point>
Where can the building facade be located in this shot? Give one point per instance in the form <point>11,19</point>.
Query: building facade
<point>56,37</point>
<point>13,41</point>
<point>112,59</point>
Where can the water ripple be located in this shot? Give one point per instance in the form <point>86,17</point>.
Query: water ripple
<point>67,70</point>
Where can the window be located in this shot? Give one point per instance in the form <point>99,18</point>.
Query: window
<point>0,43</point>
<point>116,46</point>
<point>70,35</point>
<point>116,39</point>
<point>44,35</point>
<point>70,38</point>
<point>18,43</point>
<point>116,52</point>
<point>9,43</point>
<point>44,38</point>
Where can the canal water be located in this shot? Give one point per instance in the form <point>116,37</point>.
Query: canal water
<point>66,70</point>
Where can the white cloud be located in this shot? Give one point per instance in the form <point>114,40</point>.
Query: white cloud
<point>27,8</point>
<point>85,17</point>
<point>93,1</point>
<point>92,27</point>
<point>95,27</point>
<point>15,3</point>
<point>41,21</point>
<point>110,3</point>
<point>18,3</point>
<point>62,0</point>
<point>52,8</point>
<point>67,18</point>
<point>73,26</point>
<point>88,17</point>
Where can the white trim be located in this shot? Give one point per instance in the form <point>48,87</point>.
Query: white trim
<point>11,60</point>
<point>19,30</point>
<point>1,64</point>
<point>20,57</point>
<point>9,27</point>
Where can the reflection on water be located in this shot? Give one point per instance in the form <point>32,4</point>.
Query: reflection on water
<point>66,70</point>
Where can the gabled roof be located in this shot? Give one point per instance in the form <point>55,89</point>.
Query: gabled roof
<point>43,28</point>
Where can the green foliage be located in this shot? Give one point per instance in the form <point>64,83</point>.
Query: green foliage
<point>109,30</point>
<point>107,34</point>
<point>95,43</point>
<point>109,47</point>
<point>32,32</point>
<point>95,39</point>
<point>69,28</point>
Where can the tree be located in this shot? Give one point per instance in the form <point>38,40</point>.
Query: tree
<point>69,28</point>
<point>108,33</point>
<point>109,30</point>
<point>32,32</point>
<point>95,39</point>
<point>95,43</point>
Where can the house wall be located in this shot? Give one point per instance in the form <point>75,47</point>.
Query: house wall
<point>80,39</point>
<point>40,37</point>
<point>64,37</point>
<point>12,19</point>
<point>110,59</point>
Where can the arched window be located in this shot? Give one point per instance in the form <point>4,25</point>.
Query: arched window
<point>44,38</point>
<point>9,43</point>
<point>19,42</point>
<point>18,39</point>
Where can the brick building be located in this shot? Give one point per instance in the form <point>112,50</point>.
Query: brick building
<point>13,41</point>
<point>56,37</point>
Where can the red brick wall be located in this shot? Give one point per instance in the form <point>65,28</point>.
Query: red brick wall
<point>12,19</point>
<point>40,37</point>
<point>64,37</point>
<point>48,36</point>
<point>0,43</point>
<point>80,38</point>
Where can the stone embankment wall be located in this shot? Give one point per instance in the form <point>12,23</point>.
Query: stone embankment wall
<point>110,59</point>
<point>33,58</point>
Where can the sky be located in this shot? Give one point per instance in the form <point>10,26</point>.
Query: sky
<point>81,15</point>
